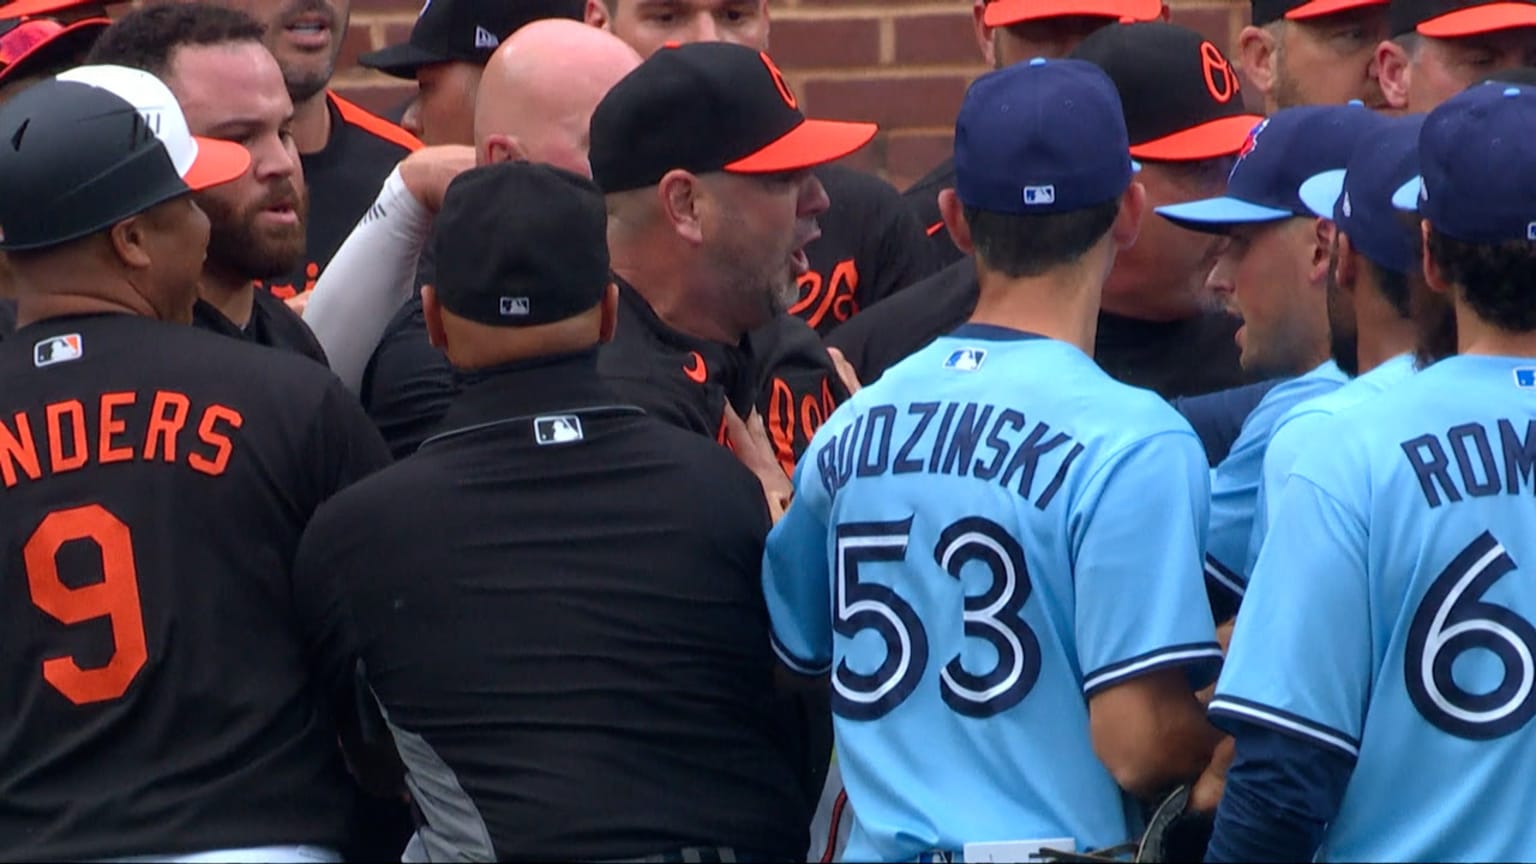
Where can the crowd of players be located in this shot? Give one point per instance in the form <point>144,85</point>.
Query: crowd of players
<point>589,468</point>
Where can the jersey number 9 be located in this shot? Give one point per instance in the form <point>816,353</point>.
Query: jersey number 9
<point>1453,619</point>
<point>116,597</point>
<point>992,616</point>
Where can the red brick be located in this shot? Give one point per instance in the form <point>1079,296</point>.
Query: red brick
<point>358,41</point>
<point>395,33</point>
<point>936,39</point>
<point>909,157</point>
<point>1216,23</point>
<point>868,158</point>
<point>379,100</point>
<point>835,42</point>
<point>891,102</point>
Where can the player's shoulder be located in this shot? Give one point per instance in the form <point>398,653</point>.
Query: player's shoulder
<point>856,189</point>
<point>373,128</point>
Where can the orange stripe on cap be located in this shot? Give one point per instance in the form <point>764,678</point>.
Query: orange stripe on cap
<point>1319,8</point>
<point>1221,137</point>
<point>374,124</point>
<point>935,228</point>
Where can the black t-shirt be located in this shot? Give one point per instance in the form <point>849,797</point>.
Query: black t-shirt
<point>7,318</point>
<point>922,199</point>
<point>782,369</point>
<point>344,180</point>
<point>408,383</point>
<point>586,674</point>
<point>162,694</point>
<point>272,324</point>
<point>870,247</point>
<point>1177,358</point>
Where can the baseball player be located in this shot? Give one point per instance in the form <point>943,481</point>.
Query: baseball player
<point>154,481</point>
<point>1267,271</point>
<point>1381,695</point>
<point>1313,52</point>
<point>1375,256</point>
<point>1014,630</point>
<point>230,88</point>
<point>1439,47</point>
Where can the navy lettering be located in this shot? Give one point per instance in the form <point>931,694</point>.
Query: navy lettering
<point>1027,457</point>
<point>968,432</point>
<point>924,410</point>
<point>1519,456</point>
<point>1430,465</point>
<point>1477,487</point>
<point>882,419</point>
<point>938,443</point>
<point>1000,448</point>
<point>1061,476</point>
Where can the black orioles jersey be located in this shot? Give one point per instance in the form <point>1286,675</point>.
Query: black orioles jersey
<point>155,480</point>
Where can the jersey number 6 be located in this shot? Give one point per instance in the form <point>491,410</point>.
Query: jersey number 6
<point>1453,619</point>
<point>992,616</point>
<point>116,597</point>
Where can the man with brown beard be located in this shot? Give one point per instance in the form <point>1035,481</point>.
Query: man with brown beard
<point>230,88</point>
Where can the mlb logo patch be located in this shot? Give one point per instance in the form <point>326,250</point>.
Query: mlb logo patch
<point>1525,377</point>
<point>512,306</point>
<point>966,359</point>
<point>1036,196</point>
<point>57,349</point>
<point>1530,231</point>
<point>559,429</point>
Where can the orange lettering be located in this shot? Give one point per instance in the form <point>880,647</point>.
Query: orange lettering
<point>18,449</point>
<point>216,439</point>
<point>1214,64</point>
<point>80,451</point>
<point>781,424</point>
<point>110,426</point>
<point>163,428</point>
<point>282,292</point>
<point>778,81</point>
<point>845,282</point>
<point>311,274</point>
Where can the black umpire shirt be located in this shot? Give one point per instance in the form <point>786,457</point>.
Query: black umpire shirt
<point>1177,358</point>
<point>272,324</point>
<point>871,246</point>
<point>343,180</point>
<point>159,669</point>
<point>922,198</point>
<point>559,610</point>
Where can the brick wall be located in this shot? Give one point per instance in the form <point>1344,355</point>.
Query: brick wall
<point>902,63</point>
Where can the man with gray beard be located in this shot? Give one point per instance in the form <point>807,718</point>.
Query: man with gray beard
<point>705,160</point>
<point>230,88</point>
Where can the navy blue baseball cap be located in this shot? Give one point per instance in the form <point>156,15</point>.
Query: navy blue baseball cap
<point>1477,165</point>
<point>1359,197</point>
<point>1282,152</point>
<point>1047,136</point>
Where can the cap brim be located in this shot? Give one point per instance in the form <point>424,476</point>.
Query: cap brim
<point>1319,8</point>
<point>28,8</point>
<point>77,38</point>
<point>813,142</point>
<point>1003,13</point>
<point>1472,20</point>
<point>217,162</point>
<point>1221,137</point>
<point>1216,215</point>
<point>1321,192</point>
<point>400,60</point>
<point>1406,198</point>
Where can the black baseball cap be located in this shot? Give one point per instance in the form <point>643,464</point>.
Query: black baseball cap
<point>37,45</point>
<point>709,106</point>
<point>465,30</point>
<point>521,244</point>
<point>96,145</point>
<point>1179,90</point>
<point>1451,19</point>
<point>1269,11</point>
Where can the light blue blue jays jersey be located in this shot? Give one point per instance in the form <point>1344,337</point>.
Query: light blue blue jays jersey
<point>979,542</point>
<point>1235,482</point>
<point>1391,616</point>
<point>1302,428</point>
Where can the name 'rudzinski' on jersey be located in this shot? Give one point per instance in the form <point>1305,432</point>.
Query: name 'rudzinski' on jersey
<point>1398,615</point>
<point>160,691</point>
<point>975,549</point>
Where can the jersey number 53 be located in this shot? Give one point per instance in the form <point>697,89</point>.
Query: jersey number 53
<point>992,616</point>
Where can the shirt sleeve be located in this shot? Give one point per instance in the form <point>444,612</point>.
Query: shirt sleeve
<point>1137,540</point>
<point>1300,660</point>
<point>371,276</point>
<point>797,579</point>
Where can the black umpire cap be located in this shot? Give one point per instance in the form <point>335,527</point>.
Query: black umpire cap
<point>521,244</point>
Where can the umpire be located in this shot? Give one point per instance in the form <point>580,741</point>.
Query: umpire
<point>557,597</point>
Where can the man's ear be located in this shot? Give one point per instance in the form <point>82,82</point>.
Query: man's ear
<point>128,238</point>
<point>1323,230</point>
<point>1434,277</point>
<point>596,15</point>
<point>954,220</point>
<point>1133,209</point>
<point>432,312</point>
<point>610,314</point>
<point>501,148</point>
<point>1347,269</point>
<point>682,197</point>
<point>983,33</point>
<point>1394,70</point>
<point>1257,55</point>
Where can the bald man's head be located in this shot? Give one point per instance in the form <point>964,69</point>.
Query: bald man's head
<point>540,88</point>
